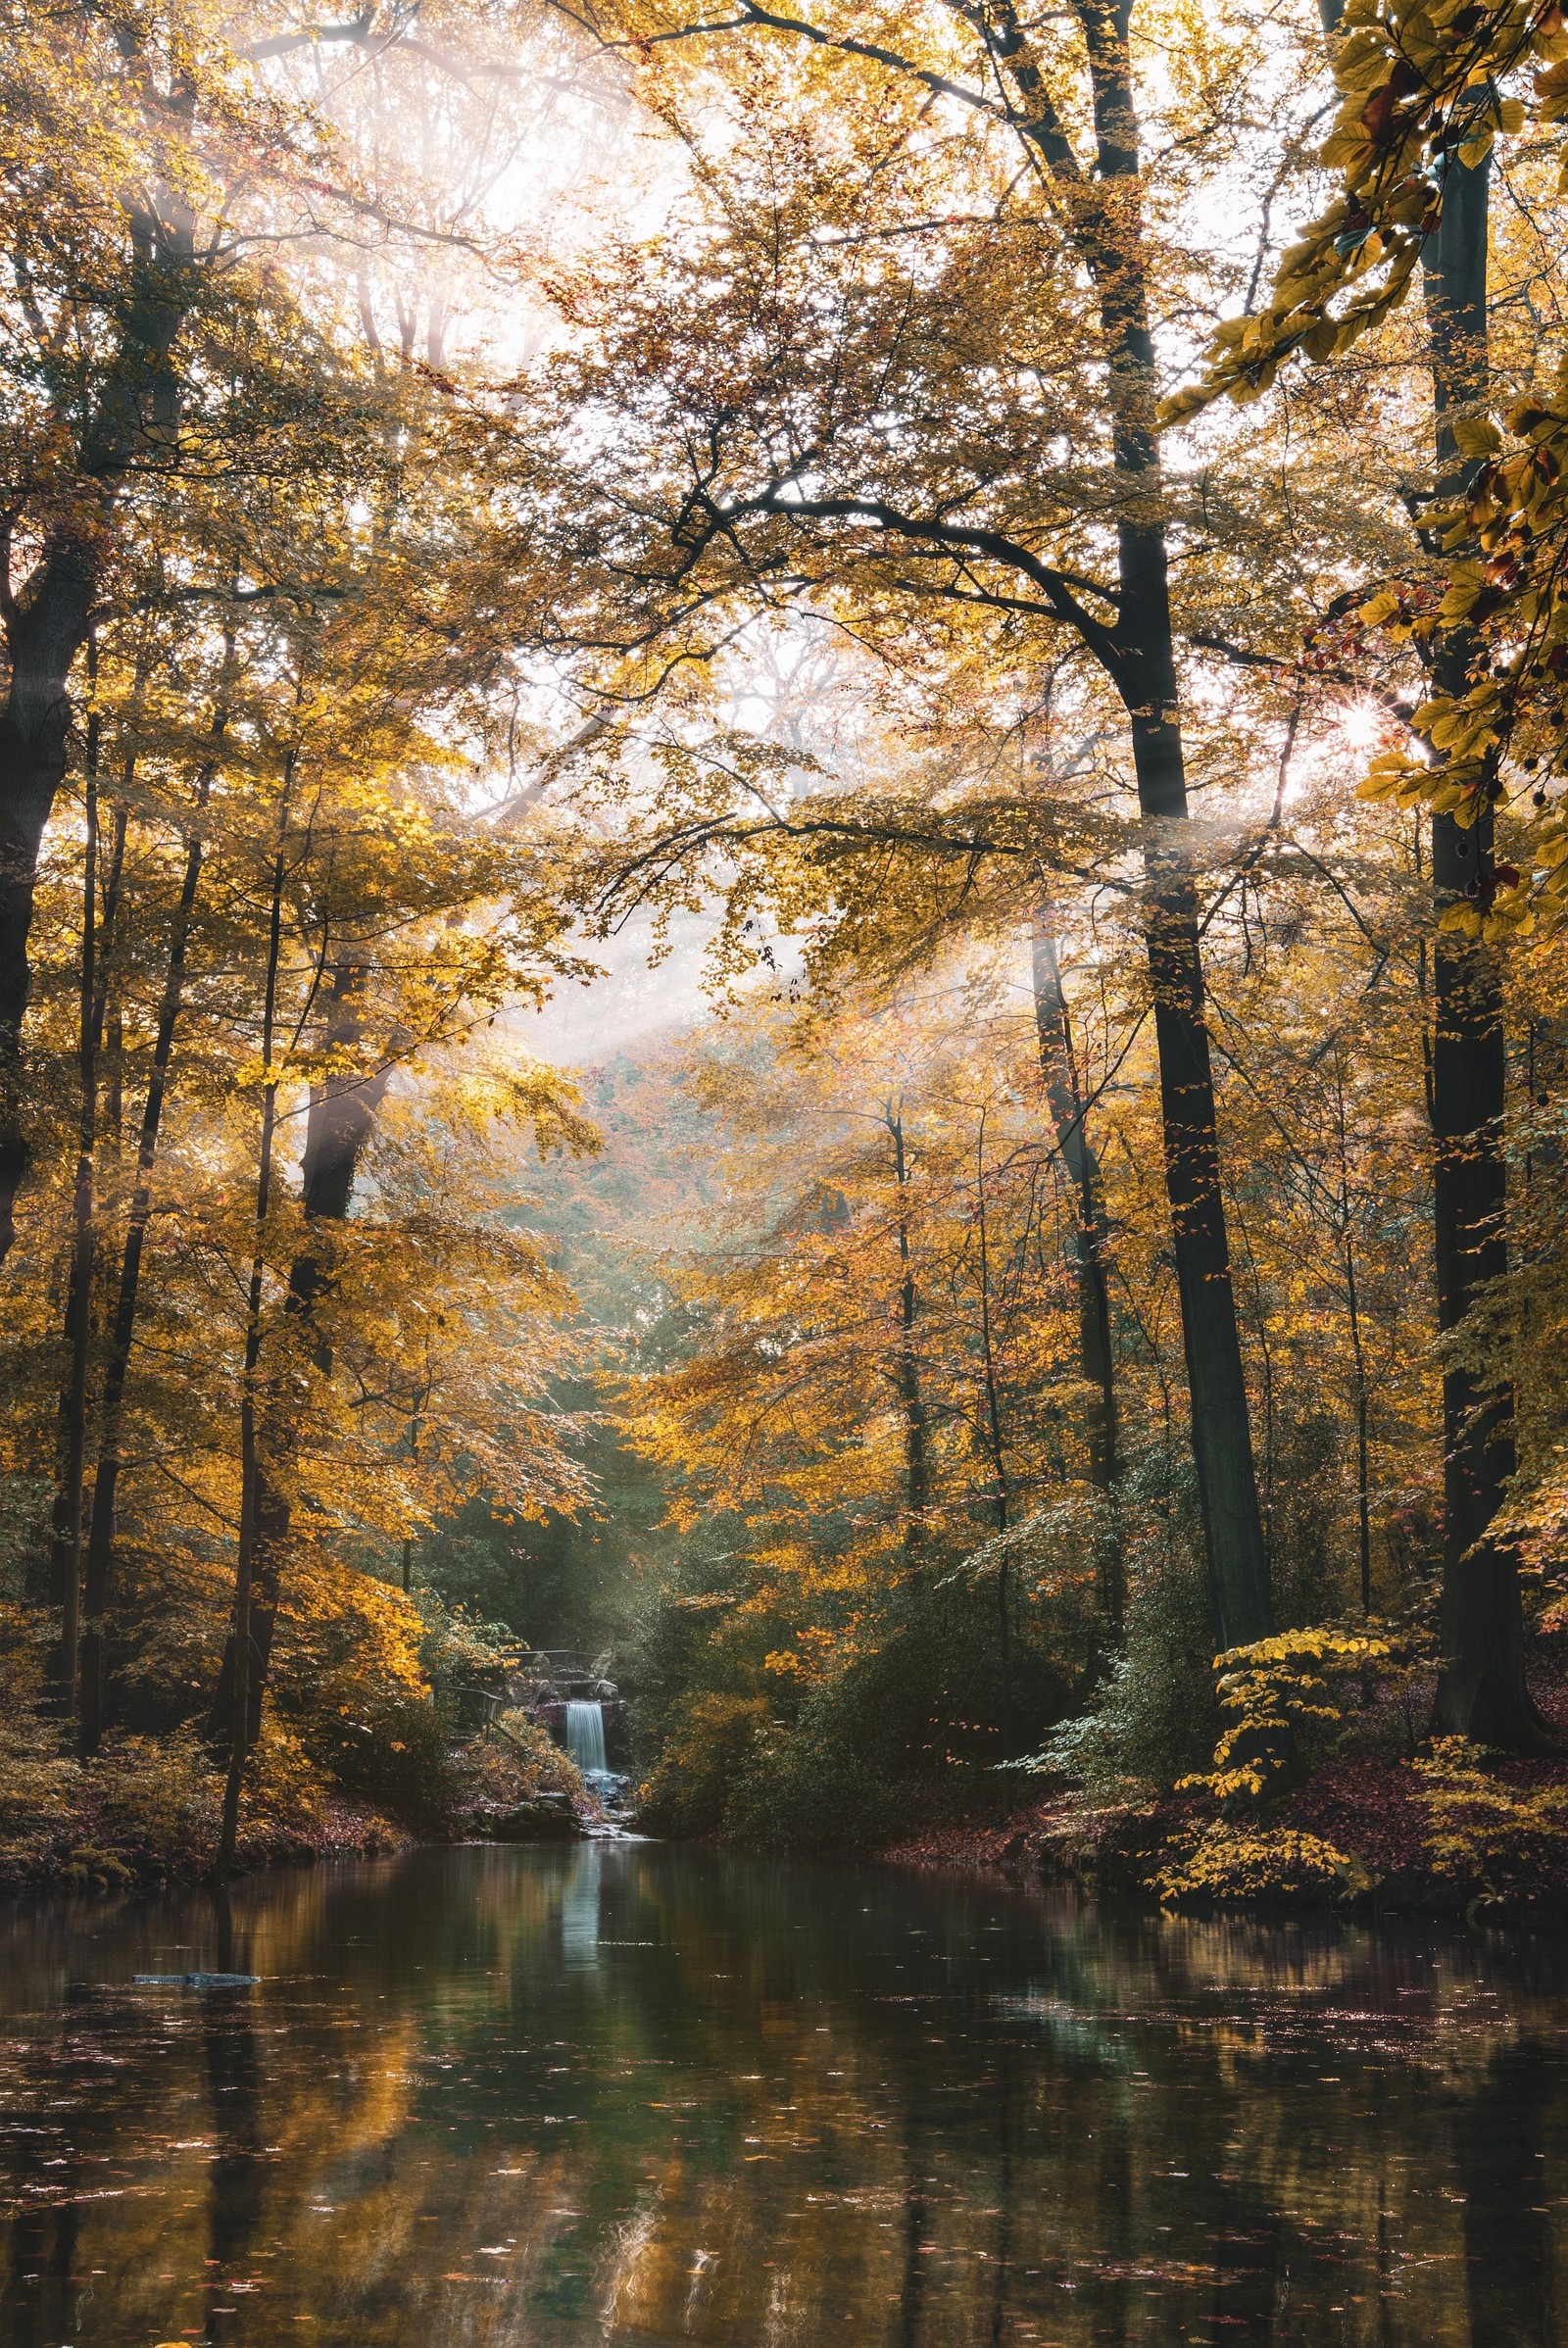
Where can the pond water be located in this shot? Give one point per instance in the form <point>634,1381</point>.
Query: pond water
<point>635,2093</point>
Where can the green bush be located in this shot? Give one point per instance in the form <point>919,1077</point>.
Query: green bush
<point>462,1656</point>
<point>156,1803</point>
<point>40,1790</point>
<point>804,1787</point>
<point>754,1737</point>
<point>1154,1715</point>
<point>691,1784</point>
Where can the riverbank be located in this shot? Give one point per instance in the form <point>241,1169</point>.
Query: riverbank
<point>146,1811</point>
<point>1448,1832</point>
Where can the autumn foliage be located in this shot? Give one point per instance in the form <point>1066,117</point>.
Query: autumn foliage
<point>1041,548</point>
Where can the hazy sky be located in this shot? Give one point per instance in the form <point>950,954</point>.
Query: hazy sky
<point>631,1004</point>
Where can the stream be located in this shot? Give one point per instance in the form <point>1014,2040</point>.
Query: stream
<point>632,2092</point>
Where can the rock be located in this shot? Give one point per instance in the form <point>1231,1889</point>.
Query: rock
<point>196,1981</point>
<point>550,1818</point>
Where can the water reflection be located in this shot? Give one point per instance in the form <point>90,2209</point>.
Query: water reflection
<point>579,1908</point>
<point>629,2095</point>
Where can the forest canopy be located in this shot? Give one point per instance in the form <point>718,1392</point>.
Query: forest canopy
<point>997,583</point>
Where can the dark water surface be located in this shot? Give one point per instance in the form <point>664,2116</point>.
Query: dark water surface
<point>634,2093</point>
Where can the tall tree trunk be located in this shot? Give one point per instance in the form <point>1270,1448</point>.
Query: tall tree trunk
<point>1481,1688</point>
<point>66,1544</point>
<point>42,644</point>
<point>995,1446</point>
<point>67,1523</point>
<point>68,1516</point>
<point>1141,660</point>
<point>98,1577</point>
<point>241,1741</point>
<point>49,618</point>
<point>1363,1497</point>
<point>1058,1066</point>
<point>339,1122</point>
<point>911,1402</point>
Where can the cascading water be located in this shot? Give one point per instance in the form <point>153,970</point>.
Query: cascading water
<point>585,1738</point>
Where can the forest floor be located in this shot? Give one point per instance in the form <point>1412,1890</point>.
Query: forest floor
<point>1445,1832</point>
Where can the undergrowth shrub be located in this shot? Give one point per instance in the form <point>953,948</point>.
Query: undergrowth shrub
<point>286,1790</point>
<point>1226,1859</point>
<point>40,1788</point>
<point>156,1801</point>
<point>1496,1837</point>
<point>348,1683</point>
<point>807,1786</point>
<point>462,1656</point>
<point>1155,1714</point>
<point>1286,1700</point>
<point>519,1761</point>
<point>689,1788</point>
<point>876,1708</point>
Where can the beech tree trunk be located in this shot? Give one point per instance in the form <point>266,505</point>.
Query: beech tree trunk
<point>98,1574</point>
<point>994,1442</point>
<point>68,1517</point>
<point>1481,1688</point>
<point>339,1122</point>
<point>911,1400</point>
<point>67,1523</point>
<point>1100,208</point>
<point>50,619</point>
<point>1142,662</point>
<point>240,1741</point>
<point>65,1543</point>
<point>42,642</point>
<point>1091,1252</point>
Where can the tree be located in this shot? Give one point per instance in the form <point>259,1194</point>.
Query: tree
<point>1422,108</point>
<point>925,447</point>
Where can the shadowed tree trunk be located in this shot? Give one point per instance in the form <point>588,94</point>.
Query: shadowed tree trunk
<point>66,1526</point>
<point>48,622</point>
<point>992,1441</point>
<point>67,1519</point>
<point>1481,1690</point>
<point>339,1122</point>
<point>1141,660</point>
<point>1099,203</point>
<point>911,1400</point>
<point>1091,1250</point>
<point>42,641</point>
<point>97,1578</point>
<point>249,1453</point>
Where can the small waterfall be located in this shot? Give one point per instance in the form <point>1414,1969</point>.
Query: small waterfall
<point>585,1737</point>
